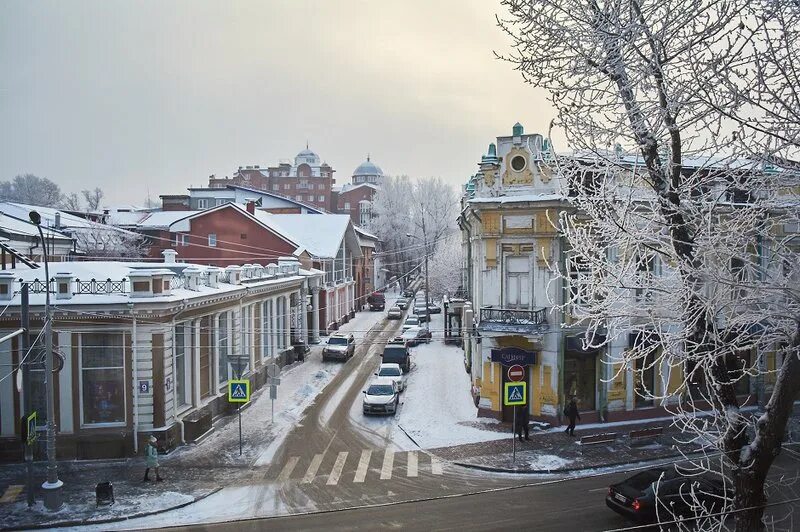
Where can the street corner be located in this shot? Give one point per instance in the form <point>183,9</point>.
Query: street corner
<point>85,505</point>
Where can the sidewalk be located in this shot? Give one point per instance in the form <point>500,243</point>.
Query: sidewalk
<point>553,451</point>
<point>191,472</point>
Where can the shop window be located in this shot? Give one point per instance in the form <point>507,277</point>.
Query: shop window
<point>182,368</point>
<point>206,341</point>
<point>223,347</point>
<point>102,378</point>
<point>580,378</point>
<point>644,379</point>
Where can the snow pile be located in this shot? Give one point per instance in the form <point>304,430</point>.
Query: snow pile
<point>547,462</point>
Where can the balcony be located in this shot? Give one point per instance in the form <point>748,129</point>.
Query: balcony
<point>507,320</point>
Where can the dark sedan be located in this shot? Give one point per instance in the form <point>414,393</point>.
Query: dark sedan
<point>664,494</point>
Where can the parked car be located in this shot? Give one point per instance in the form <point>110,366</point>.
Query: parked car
<point>394,313</point>
<point>671,491</point>
<point>416,335</point>
<point>396,352</point>
<point>381,397</point>
<point>411,321</point>
<point>420,313</point>
<point>402,303</point>
<point>340,346</point>
<point>376,301</point>
<point>434,308</point>
<point>407,293</point>
<point>394,372</point>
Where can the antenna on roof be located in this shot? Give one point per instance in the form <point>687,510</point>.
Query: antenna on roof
<point>306,143</point>
<point>367,156</point>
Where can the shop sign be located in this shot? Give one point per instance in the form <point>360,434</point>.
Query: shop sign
<point>508,356</point>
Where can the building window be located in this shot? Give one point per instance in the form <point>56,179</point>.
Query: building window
<point>347,205</point>
<point>518,163</point>
<point>322,198</point>
<point>212,240</point>
<point>202,203</point>
<point>206,343</point>
<point>286,186</point>
<point>184,240</point>
<point>579,281</point>
<point>102,378</point>
<point>276,186</point>
<point>223,347</point>
<point>221,202</point>
<point>266,337</point>
<point>182,367</point>
<point>518,281</point>
<point>364,212</point>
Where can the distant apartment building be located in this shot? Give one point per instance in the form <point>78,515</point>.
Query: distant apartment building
<point>305,180</point>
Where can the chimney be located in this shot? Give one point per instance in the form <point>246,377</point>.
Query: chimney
<point>58,220</point>
<point>169,256</point>
<point>251,207</point>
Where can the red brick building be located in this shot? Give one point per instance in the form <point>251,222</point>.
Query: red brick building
<point>307,180</point>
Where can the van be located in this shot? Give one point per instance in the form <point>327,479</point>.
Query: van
<point>396,352</point>
<point>376,301</point>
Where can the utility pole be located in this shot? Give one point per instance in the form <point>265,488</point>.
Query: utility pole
<point>25,322</point>
<point>425,250</point>
<point>53,496</point>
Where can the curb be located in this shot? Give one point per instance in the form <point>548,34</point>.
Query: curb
<point>565,469</point>
<point>88,522</point>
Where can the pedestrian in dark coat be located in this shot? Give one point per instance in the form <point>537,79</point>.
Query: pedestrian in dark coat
<point>523,417</point>
<point>151,454</point>
<point>571,411</point>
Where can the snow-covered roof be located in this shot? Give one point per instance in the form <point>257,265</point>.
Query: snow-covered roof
<point>347,187</point>
<point>319,234</point>
<point>13,225</point>
<point>127,218</point>
<point>48,214</point>
<point>288,199</point>
<point>523,198</point>
<point>117,271</point>
<point>163,219</point>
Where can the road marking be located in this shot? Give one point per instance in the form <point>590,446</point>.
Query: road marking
<point>436,466</point>
<point>11,494</point>
<point>363,466</point>
<point>286,472</point>
<point>388,463</point>
<point>413,461</point>
<point>336,472</point>
<point>312,469</point>
<point>598,489</point>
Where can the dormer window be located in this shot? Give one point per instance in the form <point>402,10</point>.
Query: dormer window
<point>6,285</point>
<point>518,163</point>
<point>141,283</point>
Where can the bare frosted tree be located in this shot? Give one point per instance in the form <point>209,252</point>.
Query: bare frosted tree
<point>681,244</point>
<point>391,221</point>
<point>93,198</point>
<point>99,241</point>
<point>31,190</point>
<point>70,202</point>
<point>445,266</point>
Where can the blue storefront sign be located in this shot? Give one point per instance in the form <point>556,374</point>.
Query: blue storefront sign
<point>508,356</point>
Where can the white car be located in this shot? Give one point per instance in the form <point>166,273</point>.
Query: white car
<point>411,321</point>
<point>381,397</point>
<point>394,372</point>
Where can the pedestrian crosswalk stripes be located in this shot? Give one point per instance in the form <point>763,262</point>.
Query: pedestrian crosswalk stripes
<point>11,493</point>
<point>335,468</point>
<point>312,469</point>
<point>388,462</point>
<point>436,466</point>
<point>363,465</point>
<point>336,472</point>
<point>286,472</point>
<point>412,464</point>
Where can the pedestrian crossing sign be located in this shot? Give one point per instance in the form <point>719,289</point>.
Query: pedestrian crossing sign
<point>238,391</point>
<point>515,393</point>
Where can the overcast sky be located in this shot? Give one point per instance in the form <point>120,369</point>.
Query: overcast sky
<point>153,96</point>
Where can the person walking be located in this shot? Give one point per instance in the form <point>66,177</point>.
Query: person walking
<point>571,411</point>
<point>523,417</point>
<point>151,452</point>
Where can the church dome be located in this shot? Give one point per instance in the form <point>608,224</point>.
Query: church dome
<point>368,168</point>
<point>307,156</point>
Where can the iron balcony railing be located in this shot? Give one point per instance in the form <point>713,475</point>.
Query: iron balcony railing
<point>92,286</point>
<point>513,320</point>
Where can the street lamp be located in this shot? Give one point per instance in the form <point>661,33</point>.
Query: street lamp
<point>53,497</point>
<point>425,250</point>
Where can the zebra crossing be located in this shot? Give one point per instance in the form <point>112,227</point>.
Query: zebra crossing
<point>358,467</point>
